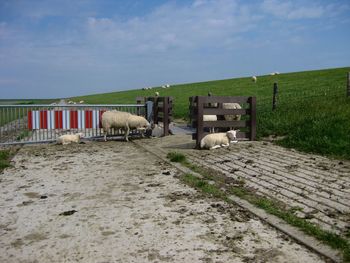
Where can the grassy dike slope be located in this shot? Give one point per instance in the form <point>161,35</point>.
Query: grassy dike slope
<point>313,112</point>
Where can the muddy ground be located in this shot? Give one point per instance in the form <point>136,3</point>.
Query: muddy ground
<point>114,202</point>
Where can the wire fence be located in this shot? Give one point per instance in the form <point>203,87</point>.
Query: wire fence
<point>287,100</point>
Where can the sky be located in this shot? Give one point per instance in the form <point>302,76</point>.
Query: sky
<point>64,48</point>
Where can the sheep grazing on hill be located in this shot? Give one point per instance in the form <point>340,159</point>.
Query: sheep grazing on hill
<point>70,102</point>
<point>81,102</point>
<point>164,87</point>
<point>167,86</point>
<point>69,138</point>
<point>125,121</point>
<point>232,106</point>
<point>217,140</point>
<point>254,79</point>
<point>157,94</point>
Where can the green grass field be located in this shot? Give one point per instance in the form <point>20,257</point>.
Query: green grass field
<point>313,112</point>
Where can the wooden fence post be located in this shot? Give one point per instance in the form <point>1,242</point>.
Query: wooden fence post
<point>199,120</point>
<point>348,88</point>
<point>274,98</point>
<point>252,102</point>
<point>166,116</point>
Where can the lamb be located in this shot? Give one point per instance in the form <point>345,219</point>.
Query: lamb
<point>254,79</point>
<point>232,106</point>
<point>123,120</point>
<point>69,138</point>
<point>217,140</point>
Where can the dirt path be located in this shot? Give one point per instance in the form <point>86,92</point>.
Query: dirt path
<point>112,202</point>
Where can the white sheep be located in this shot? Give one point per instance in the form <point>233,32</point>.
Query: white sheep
<point>123,120</point>
<point>70,102</point>
<point>254,79</point>
<point>210,118</point>
<point>232,106</point>
<point>69,138</point>
<point>164,87</point>
<point>81,102</point>
<point>157,94</point>
<point>167,86</point>
<point>217,140</point>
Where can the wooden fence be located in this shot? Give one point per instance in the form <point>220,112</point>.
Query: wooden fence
<point>203,105</point>
<point>162,110</point>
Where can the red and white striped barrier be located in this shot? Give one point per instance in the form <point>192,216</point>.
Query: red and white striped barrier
<point>64,119</point>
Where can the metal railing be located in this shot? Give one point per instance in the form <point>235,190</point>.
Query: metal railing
<point>44,123</point>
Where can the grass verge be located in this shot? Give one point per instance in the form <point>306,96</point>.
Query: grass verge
<point>218,185</point>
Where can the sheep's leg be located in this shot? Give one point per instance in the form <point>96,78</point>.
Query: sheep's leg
<point>225,145</point>
<point>214,147</point>
<point>127,133</point>
<point>105,135</point>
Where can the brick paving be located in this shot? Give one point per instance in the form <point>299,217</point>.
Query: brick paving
<point>317,188</point>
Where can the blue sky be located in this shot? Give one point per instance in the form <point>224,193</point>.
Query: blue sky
<point>68,48</point>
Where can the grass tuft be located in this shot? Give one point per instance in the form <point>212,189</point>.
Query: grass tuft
<point>4,159</point>
<point>176,157</point>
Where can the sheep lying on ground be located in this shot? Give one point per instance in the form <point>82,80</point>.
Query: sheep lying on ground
<point>125,121</point>
<point>217,140</point>
<point>69,138</point>
<point>232,106</point>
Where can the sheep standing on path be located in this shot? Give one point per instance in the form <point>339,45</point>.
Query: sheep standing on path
<point>210,118</point>
<point>69,138</point>
<point>217,140</point>
<point>125,121</point>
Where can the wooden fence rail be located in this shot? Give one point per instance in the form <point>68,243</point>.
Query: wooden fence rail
<point>202,105</point>
<point>162,110</point>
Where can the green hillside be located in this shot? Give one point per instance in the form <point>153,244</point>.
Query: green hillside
<point>313,112</point>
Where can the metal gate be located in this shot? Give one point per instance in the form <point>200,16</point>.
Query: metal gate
<point>44,123</point>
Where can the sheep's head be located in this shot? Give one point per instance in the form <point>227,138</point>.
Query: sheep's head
<point>144,125</point>
<point>80,134</point>
<point>232,135</point>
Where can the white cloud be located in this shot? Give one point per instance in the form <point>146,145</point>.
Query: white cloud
<point>292,10</point>
<point>171,27</point>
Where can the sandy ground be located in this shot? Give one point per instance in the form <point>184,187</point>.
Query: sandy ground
<point>113,202</point>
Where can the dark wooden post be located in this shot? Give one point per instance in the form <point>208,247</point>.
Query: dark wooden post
<point>140,100</point>
<point>200,105</point>
<point>348,89</point>
<point>155,109</point>
<point>166,116</point>
<point>274,98</point>
<point>252,102</point>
